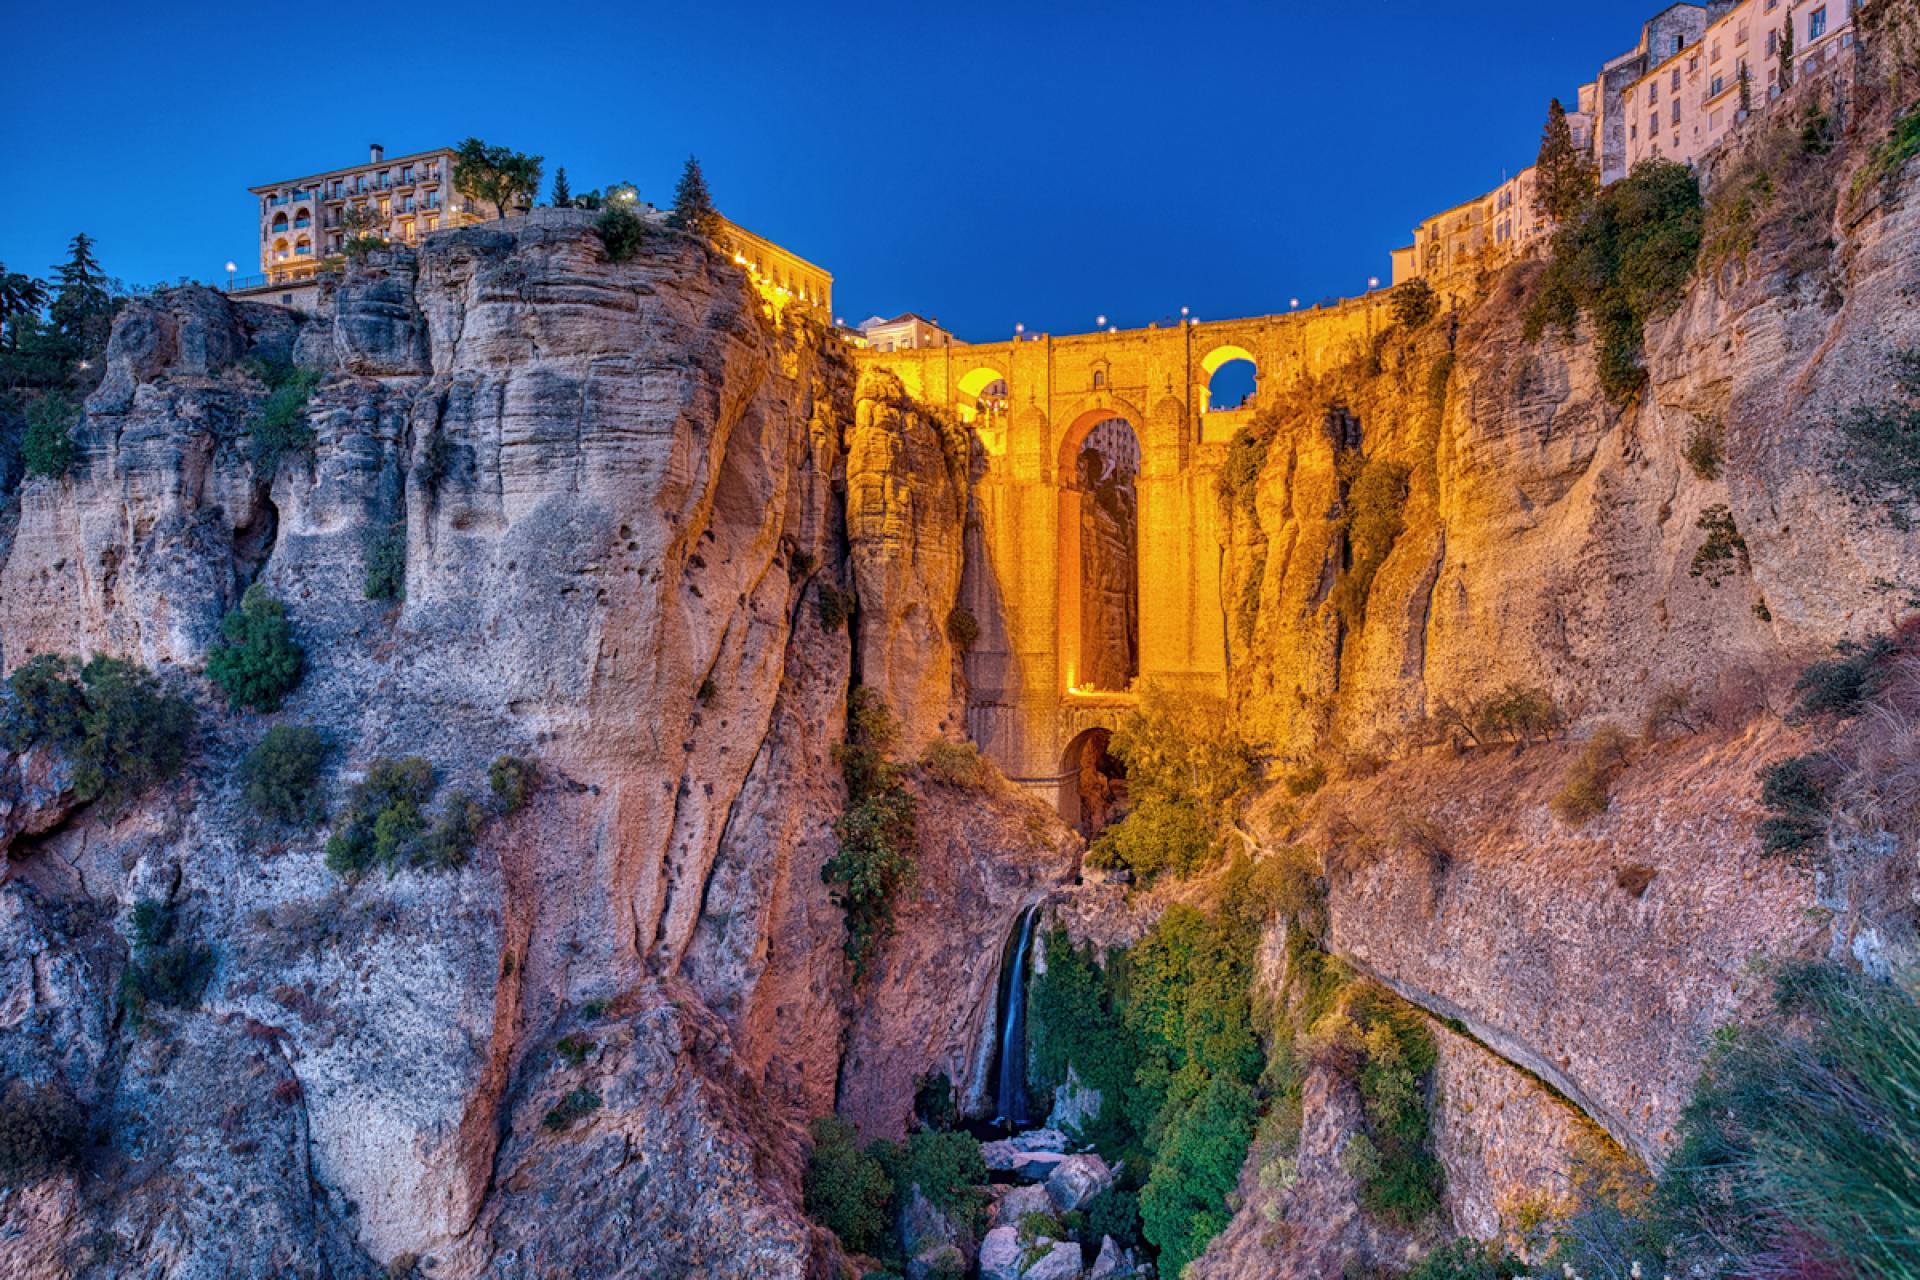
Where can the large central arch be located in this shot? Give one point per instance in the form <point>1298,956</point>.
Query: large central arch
<point>1098,574</point>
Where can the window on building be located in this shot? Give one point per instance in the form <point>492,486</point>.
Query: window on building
<point>1653,91</point>
<point>1653,127</point>
<point>1713,52</point>
<point>1740,35</point>
<point>1719,84</point>
<point>406,173</point>
<point>1816,24</point>
<point>1773,40</point>
<point>1772,5</point>
<point>1676,111</point>
<point>1679,43</point>
<point>1099,377</point>
<point>1633,131</point>
<point>1676,79</point>
<point>1713,122</point>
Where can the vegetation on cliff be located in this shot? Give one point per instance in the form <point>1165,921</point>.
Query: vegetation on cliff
<point>385,823</point>
<point>110,718</point>
<point>1187,766</point>
<point>257,662</point>
<point>875,861</point>
<point>1625,261</point>
<point>1799,1154</point>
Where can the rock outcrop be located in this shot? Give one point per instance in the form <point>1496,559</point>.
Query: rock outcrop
<point>613,485</point>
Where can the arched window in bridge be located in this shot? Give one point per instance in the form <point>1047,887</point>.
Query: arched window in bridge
<point>1109,558</point>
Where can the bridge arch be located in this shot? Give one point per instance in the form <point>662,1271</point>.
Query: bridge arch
<point>1093,783</point>
<point>1098,574</point>
<point>1222,363</point>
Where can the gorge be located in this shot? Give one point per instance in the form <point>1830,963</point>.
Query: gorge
<point>584,773</point>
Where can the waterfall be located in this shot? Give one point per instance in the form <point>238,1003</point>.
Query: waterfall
<point>1010,1092</point>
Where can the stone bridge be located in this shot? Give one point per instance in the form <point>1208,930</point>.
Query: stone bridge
<point>1046,669</point>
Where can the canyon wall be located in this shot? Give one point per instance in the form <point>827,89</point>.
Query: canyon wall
<point>623,490</point>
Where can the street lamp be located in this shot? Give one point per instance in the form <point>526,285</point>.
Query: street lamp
<point>1294,302</point>
<point>1100,321</point>
<point>231,268</point>
<point>1373,282</point>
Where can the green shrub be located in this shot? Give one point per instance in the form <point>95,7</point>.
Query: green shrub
<point>1469,1260</point>
<point>1195,1169</point>
<point>40,1132</point>
<point>621,231</point>
<point>958,764</point>
<point>1187,766</point>
<point>110,718</point>
<point>47,447</point>
<point>836,607</point>
<point>1115,1212</point>
<point>948,1169</point>
<point>1877,455</point>
<point>1800,1152</point>
<point>875,861</point>
<point>1890,155</point>
<point>1794,792</point>
<point>384,823</point>
<point>1239,478</point>
<point>280,429</point>
<point>847,1190</point>
<point>449,843</point>
<point>1626,260</point>
<point>1704,445</point>
<point>1723,552</point>
<point>280,777</point>
<point>511,779</point>
<point>1307,780</point>
<point>1414,303</point>
<point>1842,686</point>
<point>1584,792</point>
<point>573,1048</point>
<point>1372,517</point>
<point>258,662</point>
<point>1520,713</point>
<point>161,970</point>
<point>1403,1184</point>
<point>386,560</point>
<point>1073,1020</point>
<point>570,1110</point>
<point>963,629</point>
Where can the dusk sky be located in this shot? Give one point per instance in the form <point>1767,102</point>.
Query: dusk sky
<point>985,165</point>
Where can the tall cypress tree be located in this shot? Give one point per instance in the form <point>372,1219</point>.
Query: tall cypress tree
<point>81,303</point>
<point>1564,178</point>
<point>562,193</point>
<point>692,203</point>
<point>1786,51</point>
<point>1746,90</point>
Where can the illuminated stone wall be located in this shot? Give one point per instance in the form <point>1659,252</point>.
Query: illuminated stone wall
<point>1024,561</point>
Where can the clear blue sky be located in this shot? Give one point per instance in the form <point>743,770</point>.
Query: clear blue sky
<point>1037,163</point>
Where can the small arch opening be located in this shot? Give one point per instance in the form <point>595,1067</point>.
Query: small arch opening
<point>1094,796</point>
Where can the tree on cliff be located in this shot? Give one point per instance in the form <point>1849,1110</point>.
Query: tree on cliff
<point>1746,90</point>
<point>20,295</point>
<point>1786,51</point>
<point>562,193</point>
<point>693,204</point>
<point>82,306</point>
<point>1564,178</point>
<point>499,176</point>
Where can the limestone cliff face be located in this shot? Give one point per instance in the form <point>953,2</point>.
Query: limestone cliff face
<point>617,489</point>
<point>1548,534</point>
<point>1573,974</point>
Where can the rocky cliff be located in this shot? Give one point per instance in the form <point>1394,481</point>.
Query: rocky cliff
<point>621,490</point>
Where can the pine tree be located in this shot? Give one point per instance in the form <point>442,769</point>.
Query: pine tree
<point>1564,179</point>
<point>1786,51</point>
<point>562,193</point>
<point>81,303</point>
<point>692,203</point>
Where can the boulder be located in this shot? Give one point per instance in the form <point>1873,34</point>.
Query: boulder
<point>1020,1201</point>
<point>927,1232</point>
<point>1000,1254</point>
<point>1076,1180</point>
<point>943,1262</point>
<point>1113,1262</point>
<point>1060,1262</point>
<point>1032,1154</point>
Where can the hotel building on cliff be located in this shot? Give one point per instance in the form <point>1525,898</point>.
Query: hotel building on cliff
<point>303,231</point>
<point>1674,96</point>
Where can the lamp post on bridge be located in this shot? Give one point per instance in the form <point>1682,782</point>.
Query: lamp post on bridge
<point>231,269</point>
